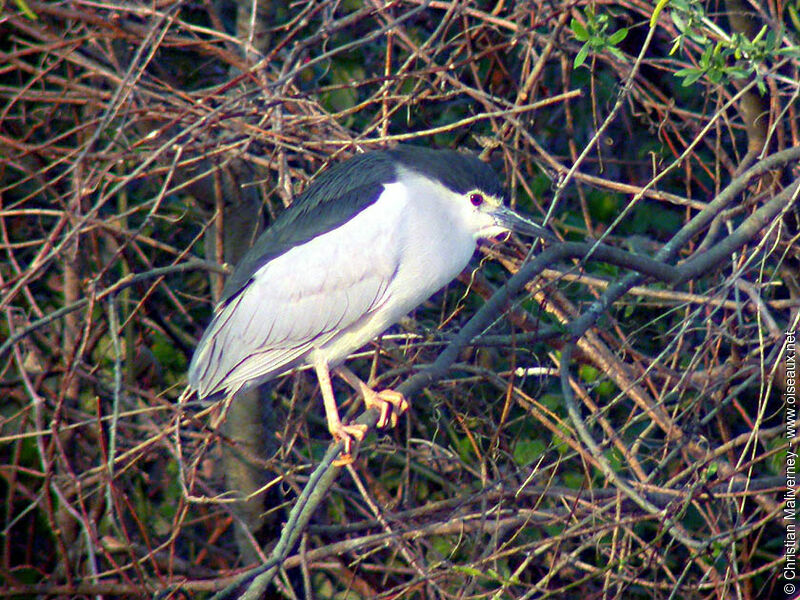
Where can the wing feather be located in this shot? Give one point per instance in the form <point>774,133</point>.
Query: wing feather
<point>298,301</point>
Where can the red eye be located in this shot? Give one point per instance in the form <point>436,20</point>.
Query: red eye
<point>476,199</point>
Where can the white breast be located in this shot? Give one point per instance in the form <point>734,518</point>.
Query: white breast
<point>430,244</point>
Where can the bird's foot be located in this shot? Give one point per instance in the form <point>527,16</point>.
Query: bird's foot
<point>346,434</point>
<point>390,403</point>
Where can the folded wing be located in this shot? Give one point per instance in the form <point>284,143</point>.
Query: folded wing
<point>296,302</point>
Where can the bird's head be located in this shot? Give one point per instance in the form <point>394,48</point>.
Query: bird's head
<point>469,189</point>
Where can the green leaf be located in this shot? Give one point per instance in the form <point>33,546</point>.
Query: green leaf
<point>696,35</point>
<point>26,10</point>
<point>471,571</point>
<point>689,76</point>
<point>692,77</point>
<point>618,36</point>
<point>794,16</point>
<point>616,52</point>
<point>738,72</point>
<point>605,389</point>
<point>579,30</point>
<point>527,451</point>
<point>580,58</point>
<point>771,41</point>
<point>680,24</point>
<point>588,373</point>
<point>760,34</point>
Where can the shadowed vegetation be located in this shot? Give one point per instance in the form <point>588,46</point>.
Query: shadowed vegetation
<point>601,434</point>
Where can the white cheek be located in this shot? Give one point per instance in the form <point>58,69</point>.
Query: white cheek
<point>483,225</point>
<point>493,230</point>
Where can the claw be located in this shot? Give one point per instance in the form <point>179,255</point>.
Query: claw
<point>390,403</point>
<point>346,434</point>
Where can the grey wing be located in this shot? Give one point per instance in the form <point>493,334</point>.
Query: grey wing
<point>294,303</point>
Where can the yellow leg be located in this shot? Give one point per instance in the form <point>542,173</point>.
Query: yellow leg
<point>390,403</point>
<point>339,431</point>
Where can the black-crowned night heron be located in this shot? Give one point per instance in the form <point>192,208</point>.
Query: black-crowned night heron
<point>368,241</point>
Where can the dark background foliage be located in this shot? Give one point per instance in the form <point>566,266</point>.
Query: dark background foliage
<point>142,148</point>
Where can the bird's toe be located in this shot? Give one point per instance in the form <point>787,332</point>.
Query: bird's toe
<point>391,405</point>
<point>346,434</point>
